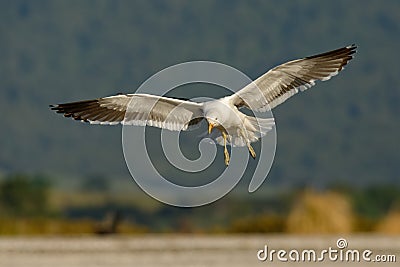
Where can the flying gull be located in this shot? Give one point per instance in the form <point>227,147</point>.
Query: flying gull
<point>234,127</point>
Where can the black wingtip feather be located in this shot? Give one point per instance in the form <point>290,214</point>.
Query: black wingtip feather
<point>347,50</point>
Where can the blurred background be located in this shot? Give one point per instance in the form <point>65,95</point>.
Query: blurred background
<point>336,168</point>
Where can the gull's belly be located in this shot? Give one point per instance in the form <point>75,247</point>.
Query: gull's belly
<point>234,120</point>
<point>227,115</point>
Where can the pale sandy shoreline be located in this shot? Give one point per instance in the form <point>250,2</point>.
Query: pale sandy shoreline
<point>178,250</point>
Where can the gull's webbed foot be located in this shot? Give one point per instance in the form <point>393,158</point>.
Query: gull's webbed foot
<point>227,157</point>
<point>251,151</point>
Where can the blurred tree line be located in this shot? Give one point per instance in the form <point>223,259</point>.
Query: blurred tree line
<point>24,196</point>
<point>30,205</point>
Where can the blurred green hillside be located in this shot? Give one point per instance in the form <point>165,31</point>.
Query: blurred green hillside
<point>343,131</point>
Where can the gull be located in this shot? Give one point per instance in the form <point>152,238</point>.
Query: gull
<point>234,127</point>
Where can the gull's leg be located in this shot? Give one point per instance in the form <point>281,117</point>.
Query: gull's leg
<point>251,150</point>
<point>226,153</point>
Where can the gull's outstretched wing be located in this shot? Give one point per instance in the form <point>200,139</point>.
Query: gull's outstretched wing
<point>135,109</point>
<point>285,80</point>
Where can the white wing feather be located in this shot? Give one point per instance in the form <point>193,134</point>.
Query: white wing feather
<point>135,109</point>
<point>284,81</point>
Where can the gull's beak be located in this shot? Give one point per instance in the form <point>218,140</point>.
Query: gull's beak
<point>210,127</point>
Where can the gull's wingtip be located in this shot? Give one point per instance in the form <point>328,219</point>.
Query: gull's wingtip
<point>352,48</point>
<point>53,107</point>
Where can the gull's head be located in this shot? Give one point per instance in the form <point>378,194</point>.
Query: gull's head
<point>212,123</point>
<point>214,119</point>
<point>216,114</point>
